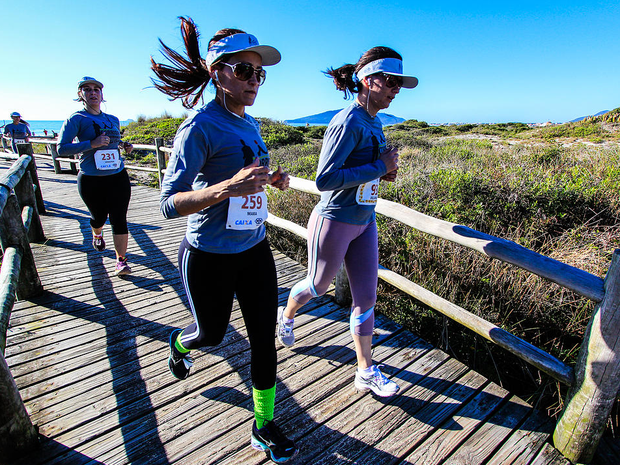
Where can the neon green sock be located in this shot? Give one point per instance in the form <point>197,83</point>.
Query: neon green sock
<point>264,405</point>
<point>178,346</point>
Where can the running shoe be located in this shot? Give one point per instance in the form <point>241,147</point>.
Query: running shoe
<point>284,330</point>
<point>98,243</point>
<point>122,268</point>
<point>376,382</point>
<point>178,363</point>
<point>270,439</point>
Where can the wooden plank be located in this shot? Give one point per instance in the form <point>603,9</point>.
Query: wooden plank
<point>443,442</point>
<point>480,445</point>
<point>524,444</point>
<point>550,456</point>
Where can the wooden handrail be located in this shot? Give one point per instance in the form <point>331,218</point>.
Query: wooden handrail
<point>19,219</point>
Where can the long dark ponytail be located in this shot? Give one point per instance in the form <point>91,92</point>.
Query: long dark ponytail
<point>188,76</point>
<point>344,77</point>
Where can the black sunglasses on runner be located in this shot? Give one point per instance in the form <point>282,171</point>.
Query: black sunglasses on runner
<point>391,80</point>
<point>243,71</point>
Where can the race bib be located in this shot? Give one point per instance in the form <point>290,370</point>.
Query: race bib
<point>19,141</point>
<point>368,193</point>
<point>247,212</point>
<point>109,159</point>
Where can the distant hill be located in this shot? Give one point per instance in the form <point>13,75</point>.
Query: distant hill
<point>589,116</point>
<point>325,117</point>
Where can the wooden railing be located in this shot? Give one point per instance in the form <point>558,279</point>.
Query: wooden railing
<point>52,155</point>
<point>20,204</point>
<point>595,379</point>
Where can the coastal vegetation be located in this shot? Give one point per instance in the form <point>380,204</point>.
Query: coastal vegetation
<point>551,189</point>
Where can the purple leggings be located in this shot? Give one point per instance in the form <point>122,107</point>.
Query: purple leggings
<point>329,243</point>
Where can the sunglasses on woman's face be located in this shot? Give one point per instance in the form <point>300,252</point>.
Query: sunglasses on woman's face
<point>391,80</point>
<point>244,71</point>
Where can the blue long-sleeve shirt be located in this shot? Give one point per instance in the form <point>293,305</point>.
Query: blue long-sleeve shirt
<point>210,147</point>
<point>86,127</point>
<point>349,157</point>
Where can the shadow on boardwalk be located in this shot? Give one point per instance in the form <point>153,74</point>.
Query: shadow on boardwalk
<point>89,356</point>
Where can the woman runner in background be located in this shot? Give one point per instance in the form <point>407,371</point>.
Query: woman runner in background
<point>216,177</point>
<point>17,131</point>
<point>103,182</point>
<point>342,226</point>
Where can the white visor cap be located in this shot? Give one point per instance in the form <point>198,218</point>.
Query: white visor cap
<point>242,43</point>
<point>392,66</point>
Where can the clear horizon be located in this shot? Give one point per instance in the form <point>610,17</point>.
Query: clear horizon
<point>485,62</point>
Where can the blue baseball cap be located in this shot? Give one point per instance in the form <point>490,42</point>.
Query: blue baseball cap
<point>15,114</point>
<point>241,42</point>
<point>88,80</point>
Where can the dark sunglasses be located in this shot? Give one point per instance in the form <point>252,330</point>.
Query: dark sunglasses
<point>391,80</point>
<point>244,71</point>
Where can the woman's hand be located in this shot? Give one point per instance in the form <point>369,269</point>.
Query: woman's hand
<point>249,180</point>
<point>279,179</point>
<point>390,177</point>
<point>100,141</point>
<point>390,158</point>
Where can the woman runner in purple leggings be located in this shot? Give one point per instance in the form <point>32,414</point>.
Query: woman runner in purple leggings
<point>353,160</point>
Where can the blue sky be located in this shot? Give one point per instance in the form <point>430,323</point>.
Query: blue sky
<point>476,61</point>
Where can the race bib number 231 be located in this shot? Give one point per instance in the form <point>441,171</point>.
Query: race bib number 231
<point>109,159</point>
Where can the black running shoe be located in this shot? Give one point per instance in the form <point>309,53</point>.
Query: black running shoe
<point>271,440</point>
<point>178,363</point>
<point>98,243</point>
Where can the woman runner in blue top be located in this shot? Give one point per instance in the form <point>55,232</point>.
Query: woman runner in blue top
<point>353,160</point>
<point>216,177</point>
<point>18,131</point>
<point>103,182</point>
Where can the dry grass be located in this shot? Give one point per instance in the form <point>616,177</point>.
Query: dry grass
<point>558,201</point>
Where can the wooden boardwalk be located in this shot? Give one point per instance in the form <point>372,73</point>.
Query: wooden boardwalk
<point>90,359</point>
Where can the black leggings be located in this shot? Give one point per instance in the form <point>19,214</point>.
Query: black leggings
<point>106,196</point>
<point>211,282</point>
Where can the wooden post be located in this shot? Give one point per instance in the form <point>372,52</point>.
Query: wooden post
<point>26,198</point>
<point>9,278</point>
<point>26,149</point>
<point>13,234</point>
<point>73,166</point>
<point>342,293</point>
<point>597,377</point>
<point>17,433</point>
<point>54,151</point>
<point>161,159</point>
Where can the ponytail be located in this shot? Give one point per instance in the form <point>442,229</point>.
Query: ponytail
<point>187,78</point>
<point>344,79</point>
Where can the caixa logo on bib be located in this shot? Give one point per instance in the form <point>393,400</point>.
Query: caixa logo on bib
<point>243,222</point>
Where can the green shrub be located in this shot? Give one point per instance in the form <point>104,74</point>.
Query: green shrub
<point>277,134</point>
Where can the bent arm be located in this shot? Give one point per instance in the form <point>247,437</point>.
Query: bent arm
<point>331,175</point>
<point>66,146</point>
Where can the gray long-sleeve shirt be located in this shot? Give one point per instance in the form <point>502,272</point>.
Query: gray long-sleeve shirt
<point>210,147</point>
<point>349,157</point>
<point>87,127</point>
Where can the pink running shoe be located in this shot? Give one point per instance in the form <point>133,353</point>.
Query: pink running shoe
<point>122,268</point>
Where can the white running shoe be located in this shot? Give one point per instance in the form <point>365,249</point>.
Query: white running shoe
<point>376,382</point>
<point>284,330</point>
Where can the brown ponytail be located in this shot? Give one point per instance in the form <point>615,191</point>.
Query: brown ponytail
<point>188,76</point>
<point>344,77</point>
